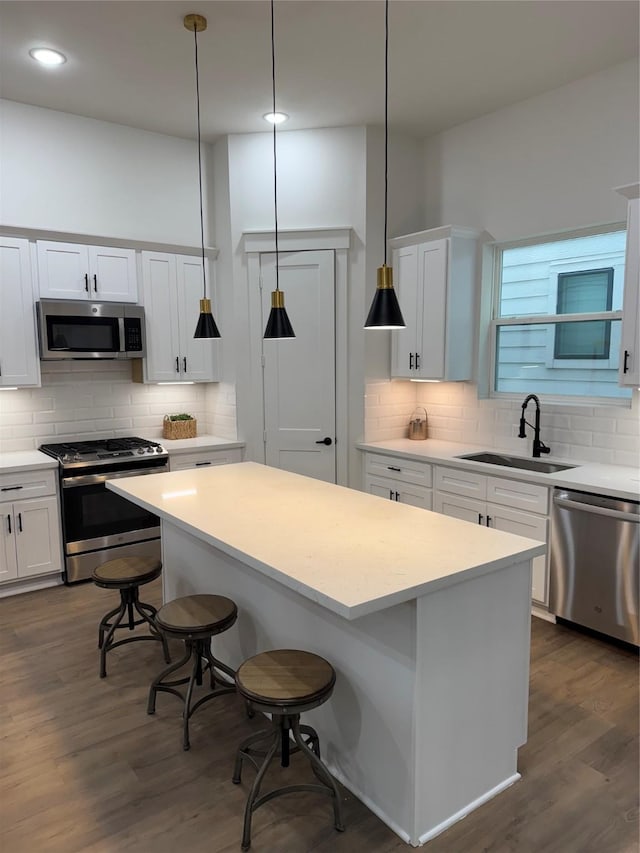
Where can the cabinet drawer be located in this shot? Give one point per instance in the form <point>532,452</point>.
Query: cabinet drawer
<point>515,493</point>
<point>401,470</point>
<point>404,493</point>
<point>27,484</point>
<point>205,460</point>
<point>461,482</point>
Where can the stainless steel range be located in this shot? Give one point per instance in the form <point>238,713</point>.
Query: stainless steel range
<point>98,525</point>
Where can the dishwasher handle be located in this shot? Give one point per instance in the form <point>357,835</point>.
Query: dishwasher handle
<point>597,510</point>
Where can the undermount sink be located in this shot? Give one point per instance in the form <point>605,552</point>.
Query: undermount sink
<point>516,462</point>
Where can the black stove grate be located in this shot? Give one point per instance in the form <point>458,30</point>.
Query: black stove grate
<point>96,446</point>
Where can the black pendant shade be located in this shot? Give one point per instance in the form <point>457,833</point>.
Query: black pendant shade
<point>206,327</point>
<point>385,310</point>
<point>278,324</point>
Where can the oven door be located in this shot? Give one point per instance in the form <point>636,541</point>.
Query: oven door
<point>95,517</point>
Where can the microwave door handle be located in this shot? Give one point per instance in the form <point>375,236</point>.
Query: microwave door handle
<point>122,347</point>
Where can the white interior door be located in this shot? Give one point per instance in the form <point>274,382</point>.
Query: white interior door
<point>299,373</point>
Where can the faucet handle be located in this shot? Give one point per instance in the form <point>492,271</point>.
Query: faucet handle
<point>544,448</point>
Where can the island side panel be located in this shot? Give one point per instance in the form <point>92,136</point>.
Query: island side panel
<point>366,727</point>
<point>471,695</point>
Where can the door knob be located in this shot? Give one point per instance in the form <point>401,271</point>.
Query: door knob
<point>326,441</point>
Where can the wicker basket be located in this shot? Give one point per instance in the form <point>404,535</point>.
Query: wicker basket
<point>179,429</point>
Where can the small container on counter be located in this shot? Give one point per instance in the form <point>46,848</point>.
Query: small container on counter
<point>418,424</point>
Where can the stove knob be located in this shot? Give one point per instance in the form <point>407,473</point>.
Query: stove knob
<point>141,450</point>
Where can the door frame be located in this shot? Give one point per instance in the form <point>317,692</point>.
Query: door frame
<point>256,243</point>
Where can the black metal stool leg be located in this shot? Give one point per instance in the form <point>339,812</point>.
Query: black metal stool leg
<point>255,789</point>
<point>157,684</point>
<point>104,648</point>
<point>141,608</point>
<point>196,678</point>
<point>104,623</point>
<point>322,773</point>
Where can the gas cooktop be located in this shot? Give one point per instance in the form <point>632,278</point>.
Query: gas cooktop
<point>104,450</point>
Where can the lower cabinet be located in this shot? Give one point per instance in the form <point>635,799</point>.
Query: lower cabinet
<point>509,505</point>
<point>401,480</point>
<point>204,459</point>
<point>30,537</point>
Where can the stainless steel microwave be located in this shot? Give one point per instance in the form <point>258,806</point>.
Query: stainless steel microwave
<point>85,330</point>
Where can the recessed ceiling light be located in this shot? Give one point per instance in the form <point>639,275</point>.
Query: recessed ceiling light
<point>46,56</point>
<point>275,118</point>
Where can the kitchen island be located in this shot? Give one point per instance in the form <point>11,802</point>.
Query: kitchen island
<point>424,617</point>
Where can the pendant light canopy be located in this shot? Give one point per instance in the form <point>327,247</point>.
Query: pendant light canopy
<point>278,325</point>
<point>206,327</point>
<point>385,310</point>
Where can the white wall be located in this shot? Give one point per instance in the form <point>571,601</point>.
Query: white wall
<point>62,172</point>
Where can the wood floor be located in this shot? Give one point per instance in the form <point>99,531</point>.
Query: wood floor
<point>83,769</point>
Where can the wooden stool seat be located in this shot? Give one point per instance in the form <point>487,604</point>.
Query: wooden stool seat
<point>284,683</point>
<point>127,571</point>
<point>193,615</point>
<point>195,619</point>
<point>127,574</point>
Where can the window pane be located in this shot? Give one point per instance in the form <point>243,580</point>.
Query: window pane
<point>579,292</point>
<point>583,340</point>
<point>525,363</point>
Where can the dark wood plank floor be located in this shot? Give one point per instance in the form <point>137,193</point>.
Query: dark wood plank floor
<point>83,769</point>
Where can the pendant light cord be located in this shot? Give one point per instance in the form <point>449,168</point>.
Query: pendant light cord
<point>386,119</point>
<point>275,160</point>
<point>204,274</point>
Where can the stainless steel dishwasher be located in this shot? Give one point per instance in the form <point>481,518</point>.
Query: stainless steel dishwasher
<point>595,547</point>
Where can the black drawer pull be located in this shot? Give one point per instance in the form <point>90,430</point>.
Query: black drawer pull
<point>10,488</point>
<point>391,468</point>
<point>489,520</point>
<point>480,518</point>
<point>200,464</point>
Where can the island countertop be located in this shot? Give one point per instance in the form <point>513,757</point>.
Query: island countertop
<point>348,551</point>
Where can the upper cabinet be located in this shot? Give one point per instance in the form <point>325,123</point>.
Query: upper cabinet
<point>171,292</point>
<point>19,364</point>
<point>435,278</point>
<point>630,342</point>
<point>76,271</point>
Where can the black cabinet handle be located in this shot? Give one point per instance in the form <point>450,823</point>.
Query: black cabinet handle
<point>9,522</point>
<point>95,283</point>
<point>20,522</point>
<point>200,464</point>
<point>177,365</point>
<point>397,496</point>
<point>390,494</point>
<point>392,468</point>
<point>184,362</point>
<point>489,519</point>
<point>410,361</point>
<point>480,518</point>
<point>86,282</point>
<point>326,441</point>
<point>10,488</point>
<point>625,366</point>
<point>417,361</point>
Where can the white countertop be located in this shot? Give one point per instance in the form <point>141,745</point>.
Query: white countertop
<point>25,460</point>
<point>615,480</point>
<point>346,550</point>
<point>175,446</point>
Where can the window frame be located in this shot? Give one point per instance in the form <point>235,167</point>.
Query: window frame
<point>495,321</point>
<point>561,278</point>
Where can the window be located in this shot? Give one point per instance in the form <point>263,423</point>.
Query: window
<point>558,316</point>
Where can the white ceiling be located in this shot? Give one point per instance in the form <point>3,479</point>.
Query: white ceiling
<point>133,62</point>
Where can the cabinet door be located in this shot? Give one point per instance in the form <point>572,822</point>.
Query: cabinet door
<point>404,344</point>
<point>531,526</point>
<point>8,560</point>
<point>19,364</point>
<point>198,358</point>
<point>630,343</point>
<point>112,274</point>
<point>414,496</point>
<point>63,270</point>
<point>465,509</point>
<point>37,537</point>
<point>432,286</point>
<point>382,487</point>
<point>161,317</point>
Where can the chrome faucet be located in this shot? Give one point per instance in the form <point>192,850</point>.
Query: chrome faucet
<point>538,445</point>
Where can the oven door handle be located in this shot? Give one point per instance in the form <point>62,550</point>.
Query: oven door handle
<point>94,479</point>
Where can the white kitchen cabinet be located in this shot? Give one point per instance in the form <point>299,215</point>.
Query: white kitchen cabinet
<point>19,362</point>
<point>403,480</point>
<point>510,505</point>
<point>629,374</point>
<point>171,293</point>
<point>30,541</point>
<point>435,276</point>
<point>204,458</point>
<point>77,271</point>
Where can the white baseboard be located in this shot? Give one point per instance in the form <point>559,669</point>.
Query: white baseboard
<point>30,584</point>
<point>541,613</point>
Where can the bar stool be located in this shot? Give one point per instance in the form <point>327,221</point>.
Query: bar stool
<point>127,574</point>
<point>195,619</point>
<point>285,683</point>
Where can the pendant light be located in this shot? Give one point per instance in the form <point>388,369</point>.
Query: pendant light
<point>278,325</point>
<point>206,327</point>
<point>385,311</point>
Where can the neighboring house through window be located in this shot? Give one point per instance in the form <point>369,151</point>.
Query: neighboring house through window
<point>558,316</point>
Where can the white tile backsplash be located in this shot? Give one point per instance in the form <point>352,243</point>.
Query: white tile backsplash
<point>607,434</point>
<point>96,399</point>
